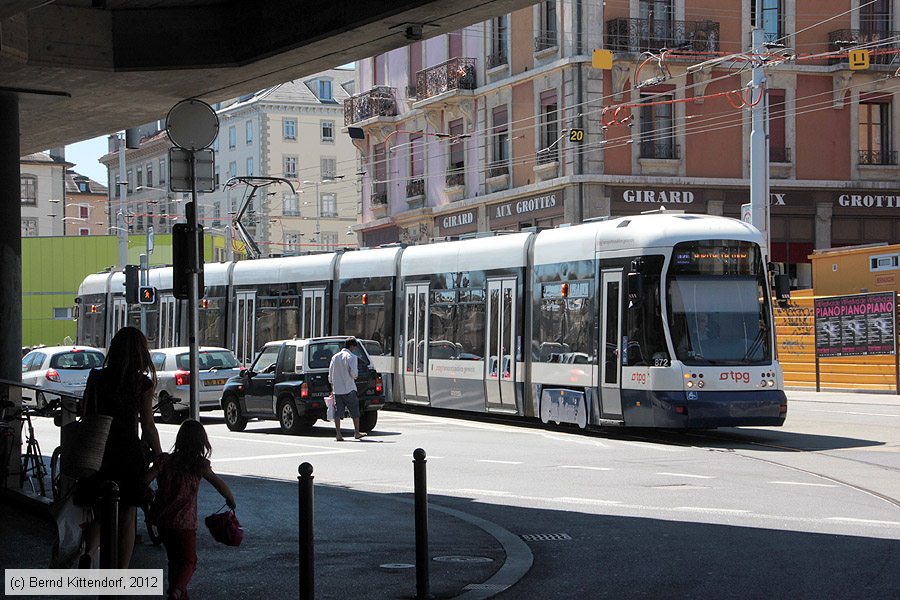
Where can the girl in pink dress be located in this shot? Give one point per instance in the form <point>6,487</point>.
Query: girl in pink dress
<point>174,510</point>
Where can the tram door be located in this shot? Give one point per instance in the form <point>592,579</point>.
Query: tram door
<point>167,324</point>
<point>415,342</point>
<point>119,316</point>
<point>500,366</point>
<point>245,326</point>
<point>313,324</point>
<point>611,343</point>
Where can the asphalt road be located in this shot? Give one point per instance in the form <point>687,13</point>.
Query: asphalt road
<point>809,510</point>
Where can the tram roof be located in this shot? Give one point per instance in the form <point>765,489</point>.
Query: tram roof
<point>466,255</point>
<point>658,230</point>
<point>311,267</point>
<point>376,262</point>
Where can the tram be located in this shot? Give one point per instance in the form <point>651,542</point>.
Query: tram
<point>655,320</point>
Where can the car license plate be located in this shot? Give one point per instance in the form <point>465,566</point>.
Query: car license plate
<point>215,382</point>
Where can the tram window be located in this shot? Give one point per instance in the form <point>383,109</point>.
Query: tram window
<point>212,322</point>
<point>564,327</point>
<point>646,344</point>
<point>470,330</point>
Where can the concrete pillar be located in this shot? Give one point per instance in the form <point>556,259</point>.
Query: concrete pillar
<point>823,225</point>
<point>10,241</point>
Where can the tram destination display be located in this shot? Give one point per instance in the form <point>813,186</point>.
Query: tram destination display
<point>857,325</point>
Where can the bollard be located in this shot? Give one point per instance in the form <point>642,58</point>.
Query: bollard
<point>109,525</point>
<point>307,558</point>
<point>421,498</point>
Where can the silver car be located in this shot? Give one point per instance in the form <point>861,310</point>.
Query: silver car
<point>62,369</point>
<point>173,371</point>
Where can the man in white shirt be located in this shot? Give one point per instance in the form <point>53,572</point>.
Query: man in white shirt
<point>342,374</point>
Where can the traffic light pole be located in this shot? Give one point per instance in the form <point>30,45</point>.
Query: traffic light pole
<point>194,294</point>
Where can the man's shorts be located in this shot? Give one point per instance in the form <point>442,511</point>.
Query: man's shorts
<point>349,401</point>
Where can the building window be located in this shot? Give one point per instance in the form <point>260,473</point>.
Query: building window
<point>328,239</point>
<point>289,129</point>
<point>772,18</point>
<point>84,211</point>
<point>232,137</point>
<point>84,231</point>
<point>129,179</point>
<point>777,134</point>
<point>328,167</point>
<point>416,156</point>
<point>325,90</point>
<point>457,175</point>
<point>291,205</point>
<point>29,228</point>
<point>83,187</point>
<point>329,205</point>
<point>875,133</point>
<point>499,35</point>
<point>549,150</point>
<point>149,174</point>
<point>217,214</point>
<point>875,19</point>
<point>547,34</point>
<point>140,176</point>
<point>657,133</point>
<point>327,131</point>
<point>292,242</point>
<point>656,24</point>
<point>290,167</point>
<point>216,176</point>
<point>248,130</point>
<point>499,142</point>
<point>215,145</point>
<point>250,167</point>
<point>28,190</point>
<point>63,314</point>
<point>232,169</point>
<point>162,171</point>
<point>379,187</point>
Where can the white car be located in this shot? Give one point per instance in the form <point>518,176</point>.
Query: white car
<point>62,369</point>
<point>173,371</point>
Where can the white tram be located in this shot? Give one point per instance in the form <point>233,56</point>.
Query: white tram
<point>657,320</point>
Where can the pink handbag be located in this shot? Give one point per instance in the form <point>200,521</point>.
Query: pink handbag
<point>225,528</point>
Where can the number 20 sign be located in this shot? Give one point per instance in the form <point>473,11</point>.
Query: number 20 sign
<point>576,135</point>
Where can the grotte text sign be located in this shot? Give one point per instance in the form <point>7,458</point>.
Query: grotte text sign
<point>857,325</point>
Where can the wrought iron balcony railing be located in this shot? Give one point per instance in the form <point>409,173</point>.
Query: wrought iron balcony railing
<point>377,102</point>
<point>496,58</point>
<point>415,187</point>
<point>454,74</point>
<point>884,54</point>
<point>877,157</point>
<point>379,197</point>
<point>546,40</point>
<point>779,155</point>
<point>660,149</point>
<point>498,169</point>
<point>548,155</point>
<point>642,35</point>
<point>455,178</point>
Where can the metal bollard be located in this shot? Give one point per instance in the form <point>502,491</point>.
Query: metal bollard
<point>109,525</point>
<point>423,585</point>
<point>307,557</point>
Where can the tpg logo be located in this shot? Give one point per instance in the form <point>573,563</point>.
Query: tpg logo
<point>641,378</point>
<point>737,376</point>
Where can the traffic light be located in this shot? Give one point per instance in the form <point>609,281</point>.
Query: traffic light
<point>132,282</point>
<point>147,294</point>
<point>183,244</point>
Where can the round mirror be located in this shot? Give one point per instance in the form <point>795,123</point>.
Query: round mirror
<point>192,125</point>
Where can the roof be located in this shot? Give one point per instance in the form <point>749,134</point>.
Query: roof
<point>298,91</point>
<point>73,181</point>
<point>44,158</point>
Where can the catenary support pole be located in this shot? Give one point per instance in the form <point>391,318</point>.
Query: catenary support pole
<point>194,293</point>
<point>759,159</point>
<point>423,584</point>
<point>109,525</point>
<point>307,555</point>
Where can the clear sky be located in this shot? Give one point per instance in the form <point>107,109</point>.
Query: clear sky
<point>85,155</point>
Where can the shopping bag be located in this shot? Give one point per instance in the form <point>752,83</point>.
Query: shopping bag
<point>329,403</point>
<point>83,445</point>
<point>225,528</point>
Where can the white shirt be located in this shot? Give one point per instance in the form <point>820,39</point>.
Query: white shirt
<point>343,371</point>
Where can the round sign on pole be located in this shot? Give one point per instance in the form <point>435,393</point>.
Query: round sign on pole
<point>192,125</point>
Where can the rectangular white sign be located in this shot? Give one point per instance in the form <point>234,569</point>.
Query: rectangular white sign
<point>84,582</point>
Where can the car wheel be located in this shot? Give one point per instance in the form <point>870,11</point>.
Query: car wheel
<point>40,401</point>
<point>56,473</point>
<point>288,418</point>
<point>167,410</point>
<point>233,417</point>
<point>367,421</point>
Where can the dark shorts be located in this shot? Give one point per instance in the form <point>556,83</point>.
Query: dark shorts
<point>349,401</point>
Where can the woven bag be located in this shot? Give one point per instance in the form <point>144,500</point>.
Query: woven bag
<point>83,444</point>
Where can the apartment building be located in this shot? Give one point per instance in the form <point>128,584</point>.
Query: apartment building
<point>42,184</point>
<point>506,124</point>
<point>86,208</point>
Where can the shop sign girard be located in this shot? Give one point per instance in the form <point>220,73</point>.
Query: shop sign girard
<point>660,197</point>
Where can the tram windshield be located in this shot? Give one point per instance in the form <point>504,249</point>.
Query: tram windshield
<point>718,304</point>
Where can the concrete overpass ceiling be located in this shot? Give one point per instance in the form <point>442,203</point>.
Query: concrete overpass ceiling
<point>84,68</point>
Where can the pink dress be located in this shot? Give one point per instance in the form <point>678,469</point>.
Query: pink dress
<point>175,506</point>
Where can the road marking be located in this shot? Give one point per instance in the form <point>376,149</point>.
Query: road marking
<point>828,485</point>
<point>500,462</point>
<point>486,492</point>
<point>729,511</point>
<point>847,412</point>
<point>866,521</point>
<point>687,475</point>
<point>585,500</point>
<point>585,468</point>
<point>268,456</point>
<point>253,440</point>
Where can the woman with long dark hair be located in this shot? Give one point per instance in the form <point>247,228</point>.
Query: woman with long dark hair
<point>123,389</point>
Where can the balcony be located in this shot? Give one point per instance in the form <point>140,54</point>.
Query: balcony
<point>497,58</point>
<point>877,157</point>
<point>497,177</point>
<point>454,74</point>
<point>644,35</point>
<point>379,202</point>
<point>377,102</point>
<point>455,184</point>
<point>842,39</point>
<point>545,41</point>
<point>455,178</point>
<point>415,188</point>
<point>662,149</point>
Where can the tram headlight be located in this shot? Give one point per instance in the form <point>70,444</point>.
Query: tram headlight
<point>689,383</point>
<point>771,383</point>
<point>700,383</point>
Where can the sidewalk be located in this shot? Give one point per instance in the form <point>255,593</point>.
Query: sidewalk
<point>364,545</point>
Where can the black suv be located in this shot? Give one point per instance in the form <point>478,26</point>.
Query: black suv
<point>288,381</point>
